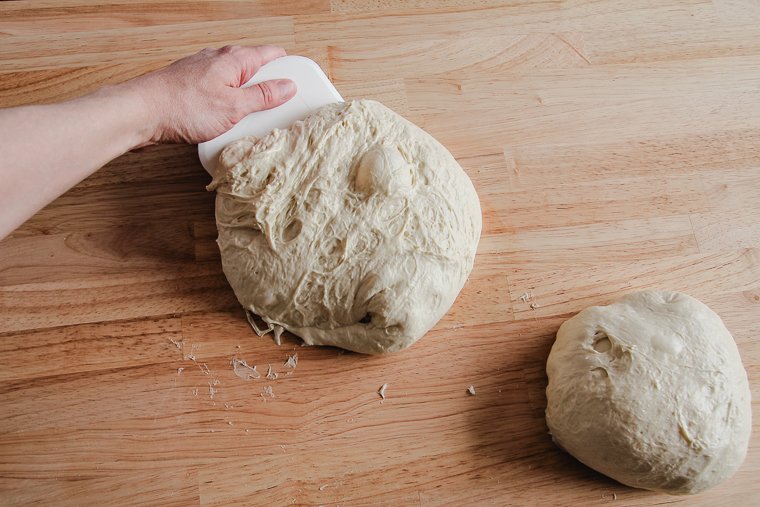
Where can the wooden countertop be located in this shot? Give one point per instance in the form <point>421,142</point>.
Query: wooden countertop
<point>615,146</point>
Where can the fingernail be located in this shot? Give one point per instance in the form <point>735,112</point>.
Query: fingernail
<point>286,87</point>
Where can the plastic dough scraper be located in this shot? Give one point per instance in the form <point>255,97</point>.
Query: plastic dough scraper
<point>314,91</point>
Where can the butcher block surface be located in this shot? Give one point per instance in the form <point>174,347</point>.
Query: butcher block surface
<point>614,144</point>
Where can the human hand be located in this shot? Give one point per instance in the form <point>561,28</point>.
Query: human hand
<point>199,97</point>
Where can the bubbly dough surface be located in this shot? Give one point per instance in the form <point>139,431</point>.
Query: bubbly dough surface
<point>650,391</point>
<point>353,228</point>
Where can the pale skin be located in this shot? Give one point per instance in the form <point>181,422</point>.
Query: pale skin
<point>47,149</point>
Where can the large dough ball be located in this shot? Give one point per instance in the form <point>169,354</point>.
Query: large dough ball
<point>650,391</point>
<point>353,228</point>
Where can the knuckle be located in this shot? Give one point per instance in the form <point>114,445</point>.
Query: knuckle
<point>267,94</point>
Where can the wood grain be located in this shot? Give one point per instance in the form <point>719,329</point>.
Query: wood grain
<point>614,146</point>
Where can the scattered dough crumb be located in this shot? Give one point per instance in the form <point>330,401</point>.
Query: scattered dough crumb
<point>243,370</point>
<point>527,297</point>
<point>381,391</point>
<point>176,343</point>
<point>229,422</point>
<point>180,370</point>
<point>195,391</point>
<point>323,487</point>
<point>292,361</point>
<point>471,390</point>
<point>246,430</point>
<point>191,354</point>
<point>271,374</point>
<point>267,391</point>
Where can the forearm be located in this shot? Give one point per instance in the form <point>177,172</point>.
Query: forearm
<point>48,149</point>
<point>45,150</point>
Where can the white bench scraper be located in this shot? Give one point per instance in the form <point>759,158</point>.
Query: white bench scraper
<point>314,91</point>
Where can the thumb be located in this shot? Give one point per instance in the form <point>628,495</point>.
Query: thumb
<point>269,94</point>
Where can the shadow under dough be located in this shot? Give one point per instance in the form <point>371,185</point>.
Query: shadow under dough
<point>509,426</point>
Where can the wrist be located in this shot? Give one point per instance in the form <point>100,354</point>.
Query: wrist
<point>139,113</point>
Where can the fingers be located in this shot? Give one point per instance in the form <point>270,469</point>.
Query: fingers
<point>199,97</point>
<point>251,58</point>
<point>268,94</point>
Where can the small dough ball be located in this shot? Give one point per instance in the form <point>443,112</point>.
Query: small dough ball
<point>650,391</point>
<point>353,228</point>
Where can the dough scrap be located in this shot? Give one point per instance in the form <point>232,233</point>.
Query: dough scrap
<point>352,228</point>
<point>650,391</point>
